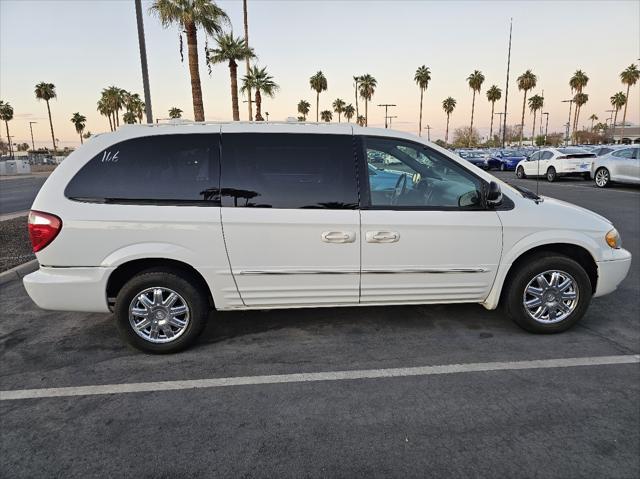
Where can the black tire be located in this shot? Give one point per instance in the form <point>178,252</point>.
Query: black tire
<point>189,290</point>
<point>502,167</point>
<point>602,178</point>
<point>513,299</point>
<point>551,174</point>
<point>520,173</point>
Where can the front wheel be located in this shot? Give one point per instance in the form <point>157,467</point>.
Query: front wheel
<point>602,178</point>
<point>520,173</point>
<point>548,294</point>
<point>551,174</point>
<point>502,167</point>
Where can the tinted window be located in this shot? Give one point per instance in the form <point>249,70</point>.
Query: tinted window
<point>170,168</point>
<point>418,177</point>
<point>547,155</point>
<point>625,153</point>
<point>288,171</point>
<point>535,156</point>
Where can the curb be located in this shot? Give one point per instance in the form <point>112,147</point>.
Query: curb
<point>19,271</point>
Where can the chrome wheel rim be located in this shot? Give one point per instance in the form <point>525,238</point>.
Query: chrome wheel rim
<point>520,172</point>
<point>602,177</point>
<point>550,297</point>
<point>159,315</point>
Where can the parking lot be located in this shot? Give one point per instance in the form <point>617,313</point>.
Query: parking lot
<point>496,414</point>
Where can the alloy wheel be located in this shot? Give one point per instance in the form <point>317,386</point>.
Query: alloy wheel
<point>159,315</point>
<point>551,297</point>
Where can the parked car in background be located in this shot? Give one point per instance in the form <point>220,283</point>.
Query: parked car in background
<point>621,165</point>
<point>506,160</point>
<point>553,163</point>
<point>475,157</point>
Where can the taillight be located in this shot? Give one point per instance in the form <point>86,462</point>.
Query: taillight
<point>43,228</point>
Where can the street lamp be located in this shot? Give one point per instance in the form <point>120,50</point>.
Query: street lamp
<point>566,140</point>
<point>267,114</point>
<point>500,114</point>
<point>428,128</point>
<point>390,118</point>
<point>386,112</point>
<point>33,146</point>
<point>546,128</point>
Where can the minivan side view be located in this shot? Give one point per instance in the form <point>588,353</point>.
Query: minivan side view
<point>163,224</point>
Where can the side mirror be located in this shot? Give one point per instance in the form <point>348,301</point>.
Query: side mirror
<point>494,195</point>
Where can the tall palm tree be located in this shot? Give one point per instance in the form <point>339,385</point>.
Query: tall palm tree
<point>6,115</point>
<point>629,77</point>
<point>422,79</point>
<point>303,108</point>
<point>448,105</point>
<point>356,80</point>
<point>368,86</point>
<point>175,113</point>
<point>527,81</point>
<point>577,82</point>
<point>349,112</point>
<point>47,91</point>
<point>114,98</point>
<point>617,101</point>
<point>493,95</point>
<point>134,104</point>
<point>318,83</point>
<point>247,60</point>
<point>129,118</point>
<point>593,118</point>
<point>338,106</point>
<point>326,115</point>
<point>230,50</point>
<point>536,102</point>
<point>189,15</point>
<point>105,110</point>
<point>262,84</point>
<point>79,121</point>
<point>475,81</point>
<point>360,120</point>
<point>579,99</point>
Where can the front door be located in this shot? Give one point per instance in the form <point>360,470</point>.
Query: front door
<point>426,237</point>
<point>289,216</point>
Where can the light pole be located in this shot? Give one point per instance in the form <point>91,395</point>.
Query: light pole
<point>506,91</point>
<point>143,62</point>
<point>10,145</point>
<point>570,102</point>
<point>391,118</point>
<point>500,114</point>
<point>386,112</point>
<point>33,145</point>
<point>428,128</point>
<point>546,128</point>
<point>267,114</point>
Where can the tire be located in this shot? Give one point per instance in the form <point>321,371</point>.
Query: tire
<point>173,331</point>
<point>602,178</point>
<point>502,167</point>
<point>586,176</point>
<point>520,173</point>
<point>551,174</point>
<point>525,276</point>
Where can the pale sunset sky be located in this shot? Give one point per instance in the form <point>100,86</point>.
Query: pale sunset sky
<point>83,46</point>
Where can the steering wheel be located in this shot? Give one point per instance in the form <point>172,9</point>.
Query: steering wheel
<point>400,188</point>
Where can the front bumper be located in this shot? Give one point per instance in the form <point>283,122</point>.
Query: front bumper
<point>611,273</point>
<point>69,289</point>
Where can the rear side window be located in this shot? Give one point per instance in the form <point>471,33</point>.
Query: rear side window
<point>264,170</point>
<point>162,168</point>
<point>625,153</point>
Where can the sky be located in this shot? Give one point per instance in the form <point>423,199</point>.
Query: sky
<point>83,46</point>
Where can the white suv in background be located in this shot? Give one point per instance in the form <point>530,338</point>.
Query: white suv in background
<point>162,224</point>
<point>556,162</point>
<point>621,165</point>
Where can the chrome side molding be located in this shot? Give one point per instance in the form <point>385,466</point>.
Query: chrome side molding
<point>365,271</point>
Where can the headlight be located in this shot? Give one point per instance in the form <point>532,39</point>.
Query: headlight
<point>613,239</point>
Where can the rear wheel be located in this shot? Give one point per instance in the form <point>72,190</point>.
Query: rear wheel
<point>548,294</point>
<point>502,167</point>
<point>602,178</point>
<point>520,173</point>
<point>161,312</point>
<point>551,174</point>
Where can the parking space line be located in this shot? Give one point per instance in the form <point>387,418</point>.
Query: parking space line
<point>313,377</point>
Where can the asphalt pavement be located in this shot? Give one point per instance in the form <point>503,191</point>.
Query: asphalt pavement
<point>557,421</point>
<point>17,194</point>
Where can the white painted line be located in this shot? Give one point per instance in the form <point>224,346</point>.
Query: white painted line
<point>312,377</point>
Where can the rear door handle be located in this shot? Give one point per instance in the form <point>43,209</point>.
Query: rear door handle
<point>382,237</point>
<point>338,237</point>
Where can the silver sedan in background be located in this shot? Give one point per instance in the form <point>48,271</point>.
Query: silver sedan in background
<point>621,166</point>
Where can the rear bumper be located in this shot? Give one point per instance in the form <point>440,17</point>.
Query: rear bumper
<point>611,273</point>
<point>69,289</point>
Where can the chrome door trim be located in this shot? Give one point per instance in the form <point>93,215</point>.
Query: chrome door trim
<point>366,271</point>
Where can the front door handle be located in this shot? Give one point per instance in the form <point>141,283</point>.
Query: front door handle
<point>338,237</point>
<point>382,237</point>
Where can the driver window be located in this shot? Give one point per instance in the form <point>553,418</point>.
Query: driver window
<point>411,175</point>
<point>535,156</point>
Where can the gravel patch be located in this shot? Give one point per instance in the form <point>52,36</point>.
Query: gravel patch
<point>15,246</point>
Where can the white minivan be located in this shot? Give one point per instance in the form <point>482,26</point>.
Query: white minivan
<point>162,224</point>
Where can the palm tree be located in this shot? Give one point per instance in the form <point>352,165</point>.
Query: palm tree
<point>368,86</point>
<point>338,106</point>
<point>6,115</point>
<point>104,109</point>
<point>422,78</point>
<point>189,15</point>
<point>493,95</point>
<point>356,80</point>
<point>303,108</point>
<point>134,104</point>
<point>536,102</point>
<point>579,99</point>
<point>230,50</point>
<point>527,81</point>
<point>617,101</point>
<point>475,81</point>
<point>318,83</point>
<point>349,111</point>
<point>79,121</point>
<point>593,118</point>
<point>175,113</point>
<point>47,91</point>
<point>129,118</point>
<point>247,60</point>
<point>262,84</point>
<point>577,82</point>
<point>360,120</point>
<point>326,115</point>
<point>629,77</point>
<point>448,106</point>
<point>114,99</point>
